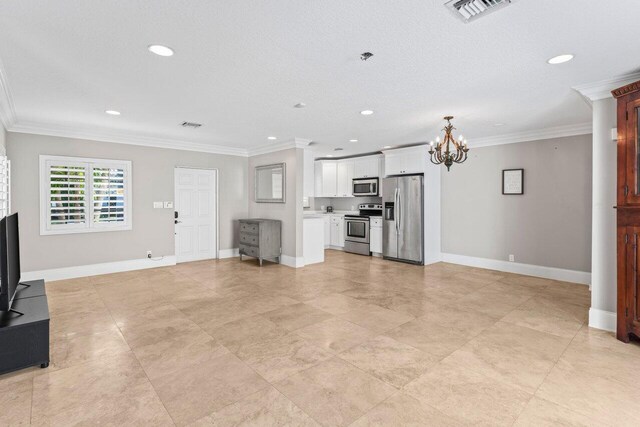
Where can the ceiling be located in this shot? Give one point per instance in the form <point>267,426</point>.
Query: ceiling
<point>240,66</point>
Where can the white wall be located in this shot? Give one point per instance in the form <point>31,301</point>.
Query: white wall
<point>3,140</point>
<point>153,180</point>
<point>550,225</point>
<point>290,212</point>
<point>603,249</point>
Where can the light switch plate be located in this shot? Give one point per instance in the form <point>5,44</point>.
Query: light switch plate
<point>168,205</point>
<point>157,205</point>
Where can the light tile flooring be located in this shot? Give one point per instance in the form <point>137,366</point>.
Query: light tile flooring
<point>354,341</point>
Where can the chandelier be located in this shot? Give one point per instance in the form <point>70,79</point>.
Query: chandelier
<point>448,151</point>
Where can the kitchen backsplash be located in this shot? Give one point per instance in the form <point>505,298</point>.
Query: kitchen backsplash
<point>340,203</point>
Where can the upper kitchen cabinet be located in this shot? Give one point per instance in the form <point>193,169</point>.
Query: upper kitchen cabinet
<point>404,161</point>
<point>345,177</point>
<point>367,167</point>
<point>326,174</point>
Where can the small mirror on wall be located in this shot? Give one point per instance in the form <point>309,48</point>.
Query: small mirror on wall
<point>270,183</point>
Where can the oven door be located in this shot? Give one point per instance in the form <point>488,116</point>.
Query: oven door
<point>356,230</point>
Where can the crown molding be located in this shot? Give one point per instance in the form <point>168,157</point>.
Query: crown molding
<point>279,146</point>
<point>533,135</point>
<point>7,109</point>
<point>145,141</point>
<point>602,89</point>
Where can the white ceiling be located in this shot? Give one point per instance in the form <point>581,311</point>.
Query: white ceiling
<point>240,66</point>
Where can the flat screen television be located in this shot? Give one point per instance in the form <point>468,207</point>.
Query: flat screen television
<point>9,260</point>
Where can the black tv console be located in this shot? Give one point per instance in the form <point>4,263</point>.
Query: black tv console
<point>24,338</point>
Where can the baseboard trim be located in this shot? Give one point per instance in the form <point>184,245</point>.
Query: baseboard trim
<point>96,269</point>
<point>573,276</point>
<point>601,319</point>
<point>290,261</point>
<point>228,253</point>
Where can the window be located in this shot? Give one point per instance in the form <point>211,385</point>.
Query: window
<point>84,195</point>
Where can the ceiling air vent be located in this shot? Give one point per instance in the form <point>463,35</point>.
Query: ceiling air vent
<point>191,125</point>
<point>470,10</point>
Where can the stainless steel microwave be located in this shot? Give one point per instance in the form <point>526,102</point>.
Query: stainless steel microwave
<point>365,187</point>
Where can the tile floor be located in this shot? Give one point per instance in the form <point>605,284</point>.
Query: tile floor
<point>354,341</point>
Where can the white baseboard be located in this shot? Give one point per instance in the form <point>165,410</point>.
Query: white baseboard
<point>228,253</point>
<point>573,276</point>
<point>96,269</point>
<point>601,319</point>
<point>290,261</point>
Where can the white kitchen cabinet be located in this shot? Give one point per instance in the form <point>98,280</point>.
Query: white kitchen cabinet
<point>326,178</point>
<point>345,178</point>
<point>337,231</point>
<point>405,160</point>
<point>367,167</point>
<point>375,235</point>
<point>327,231</point>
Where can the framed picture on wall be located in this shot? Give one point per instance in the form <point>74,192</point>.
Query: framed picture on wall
<point>512,181</point>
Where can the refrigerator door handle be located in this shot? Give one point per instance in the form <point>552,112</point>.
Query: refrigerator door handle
<point>397,209</point>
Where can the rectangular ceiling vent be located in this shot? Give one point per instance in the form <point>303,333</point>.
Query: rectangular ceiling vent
<point>470,10</point>
<point>191,125</point>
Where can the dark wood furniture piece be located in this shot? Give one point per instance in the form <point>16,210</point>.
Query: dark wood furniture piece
<point>24,339</point>
<point>260,238</point>
<point>628,210</point>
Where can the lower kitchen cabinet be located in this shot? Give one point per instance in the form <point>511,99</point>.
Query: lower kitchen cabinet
<point>375,235</point>
<point>337,231</point>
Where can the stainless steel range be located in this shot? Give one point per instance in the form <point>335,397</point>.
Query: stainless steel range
<point>356,228</point>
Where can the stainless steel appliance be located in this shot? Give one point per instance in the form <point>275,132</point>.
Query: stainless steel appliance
<point>365,187</point>
<point>403,219</point>
<point>356,229</point>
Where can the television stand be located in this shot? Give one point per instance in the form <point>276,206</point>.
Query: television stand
<point>24,331</point>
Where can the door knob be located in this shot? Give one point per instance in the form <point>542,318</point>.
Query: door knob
<point>177,222</point>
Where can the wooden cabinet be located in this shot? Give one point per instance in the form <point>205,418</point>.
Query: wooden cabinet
<point>405,161</point>
<point>260,238</point>
<point>337,231</point>
<point>345,178</point>
<point>628,210</point>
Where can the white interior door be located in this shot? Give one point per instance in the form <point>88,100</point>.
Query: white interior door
<point>196,222</point>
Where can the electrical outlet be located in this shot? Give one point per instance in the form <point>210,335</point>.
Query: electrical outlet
<point>148,254</point>
<point>512,258</point>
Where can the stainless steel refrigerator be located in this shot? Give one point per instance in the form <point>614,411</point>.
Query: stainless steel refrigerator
<point>403,225</point>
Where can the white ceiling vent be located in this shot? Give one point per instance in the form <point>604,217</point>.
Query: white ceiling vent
<point>191,125</point>
<point>470,10</point>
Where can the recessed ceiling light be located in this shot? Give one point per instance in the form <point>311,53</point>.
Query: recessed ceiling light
<point>560,59</point>
<point>366,112</point>
<point>329,155</point>
<point>499,124</point>
<point>160,50</point>
<point>113,112</point>
<point>272,138</point>
<point>353,140</point>
<point>300,105</point>
<point>386,146</point>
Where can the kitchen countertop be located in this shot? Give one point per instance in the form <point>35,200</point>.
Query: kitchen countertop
<point>323,213</point>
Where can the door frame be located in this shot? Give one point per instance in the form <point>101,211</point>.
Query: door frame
<point>216,201</point>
